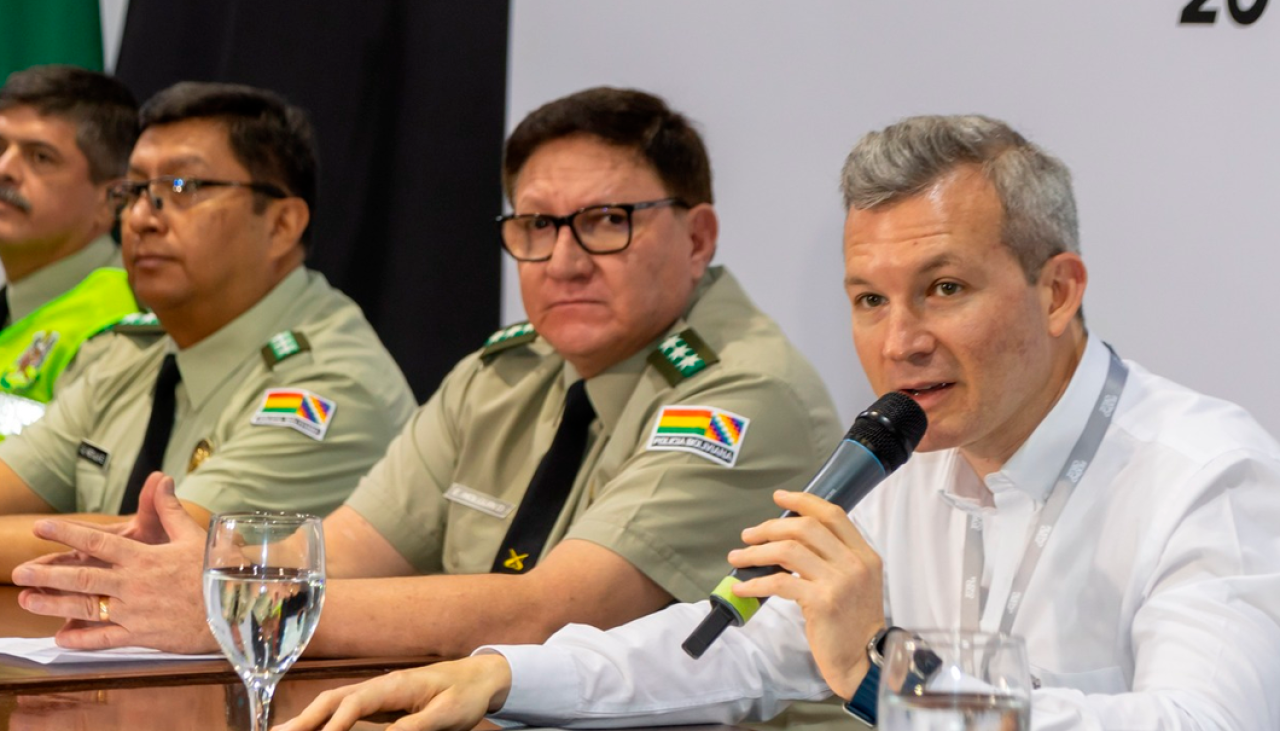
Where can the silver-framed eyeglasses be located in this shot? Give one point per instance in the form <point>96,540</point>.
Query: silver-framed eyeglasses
<point>177,193</point>
<point>604,229</point>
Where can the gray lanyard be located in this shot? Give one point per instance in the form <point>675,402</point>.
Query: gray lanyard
<point>972,597</point>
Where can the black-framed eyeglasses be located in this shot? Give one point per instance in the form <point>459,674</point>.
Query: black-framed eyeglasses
<point>602,229</point>
<point>176,192</point>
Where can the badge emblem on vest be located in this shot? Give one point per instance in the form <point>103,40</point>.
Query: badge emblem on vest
<point>26,369</point>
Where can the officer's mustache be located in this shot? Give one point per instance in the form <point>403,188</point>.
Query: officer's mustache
<point>15,199</point>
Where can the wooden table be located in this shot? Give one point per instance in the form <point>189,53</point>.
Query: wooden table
<point>199,706</point>
<point>198,695</point>
<point>14,622</point>
<point>201,695</point>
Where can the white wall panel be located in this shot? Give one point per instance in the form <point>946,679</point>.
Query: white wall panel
<point>1171,131</point>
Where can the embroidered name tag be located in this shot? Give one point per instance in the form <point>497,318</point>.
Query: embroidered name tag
<point>297,409</point>
<point>488,504</point>
<point>93,453</point>
<point>702,430</point>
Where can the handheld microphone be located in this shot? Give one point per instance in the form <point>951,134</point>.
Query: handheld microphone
<point>879,442</point>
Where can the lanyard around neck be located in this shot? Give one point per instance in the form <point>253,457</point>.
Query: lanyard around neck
<point>972,596</point>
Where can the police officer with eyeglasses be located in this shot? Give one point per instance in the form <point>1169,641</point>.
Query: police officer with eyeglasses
<point>253,383</point>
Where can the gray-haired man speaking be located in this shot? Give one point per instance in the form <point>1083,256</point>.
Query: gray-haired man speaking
<point>1127,525</point>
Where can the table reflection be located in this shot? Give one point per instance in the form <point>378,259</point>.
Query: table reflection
<point>198,707</point>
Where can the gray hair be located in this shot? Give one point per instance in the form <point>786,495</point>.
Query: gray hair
<point>1034,187</point>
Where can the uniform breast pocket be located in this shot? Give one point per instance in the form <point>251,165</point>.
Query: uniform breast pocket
<point>477,522</point>
<point>1107,680</point>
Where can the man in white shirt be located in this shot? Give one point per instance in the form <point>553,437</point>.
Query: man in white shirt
<point>1157,606</point>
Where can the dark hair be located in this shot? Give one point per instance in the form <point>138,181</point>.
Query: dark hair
<point>627,118</point>
<point>101,107</point>
<point>270,137</point>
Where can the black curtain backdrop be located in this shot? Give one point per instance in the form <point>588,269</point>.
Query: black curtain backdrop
<point>408,99</point>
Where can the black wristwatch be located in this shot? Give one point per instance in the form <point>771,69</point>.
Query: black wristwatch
<point>862,705</point>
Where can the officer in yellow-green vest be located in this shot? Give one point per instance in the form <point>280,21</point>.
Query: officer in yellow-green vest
<point>65,134</point>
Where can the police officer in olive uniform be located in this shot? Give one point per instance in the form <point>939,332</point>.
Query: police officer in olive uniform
<point>589,466</point>
<point>283,408</point>
<point>693,407</point>
<point>691,435</point>
<point>265,388</point>
<point>65,134</point>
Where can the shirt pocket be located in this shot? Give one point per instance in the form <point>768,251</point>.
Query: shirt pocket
<point>1107,680</point>
<point>474,535</point>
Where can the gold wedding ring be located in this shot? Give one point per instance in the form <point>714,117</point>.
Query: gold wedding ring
<point>104,609</point>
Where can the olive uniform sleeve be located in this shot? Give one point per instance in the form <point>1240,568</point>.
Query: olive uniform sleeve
<point>270,467</point>
<point>675,515</point>
<point>88,352</point>
<point>402,497</point>
<point>45,454</point>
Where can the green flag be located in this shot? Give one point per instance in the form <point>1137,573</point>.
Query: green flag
<point>49,31</point>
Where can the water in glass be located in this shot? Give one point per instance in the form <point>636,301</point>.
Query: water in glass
<point>263,592</point>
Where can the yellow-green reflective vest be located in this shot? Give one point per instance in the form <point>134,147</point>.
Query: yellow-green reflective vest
<point>36,349</point>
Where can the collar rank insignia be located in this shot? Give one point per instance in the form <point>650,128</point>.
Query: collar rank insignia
<point>138,323</point>
<point>682,355</point>
<point>284,345</point>
<point>507,338</point>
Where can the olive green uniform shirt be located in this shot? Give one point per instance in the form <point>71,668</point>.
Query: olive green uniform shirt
<point>79,456</point>
<point>43,286</point>
<point>447,490</point>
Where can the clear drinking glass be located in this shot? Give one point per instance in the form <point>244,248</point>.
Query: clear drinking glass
<point>952,680</point>
<point>263,590</point>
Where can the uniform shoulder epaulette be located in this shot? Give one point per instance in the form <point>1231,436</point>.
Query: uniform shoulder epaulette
<point>135,323</point>
<point>682,355</point>
<point>284,345</point>
<point>507,338</point>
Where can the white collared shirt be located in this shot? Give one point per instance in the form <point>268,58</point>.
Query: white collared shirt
<point>1156,603</point>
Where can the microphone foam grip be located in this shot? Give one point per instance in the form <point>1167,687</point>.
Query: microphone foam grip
<point>891,428</point>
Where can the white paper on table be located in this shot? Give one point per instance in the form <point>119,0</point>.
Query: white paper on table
<point>46,652</point>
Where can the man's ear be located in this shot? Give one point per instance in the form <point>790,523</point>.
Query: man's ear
<point>1062,283</point>
<point>288,219</point>
<point>704,229</point>
<point>104,217</point>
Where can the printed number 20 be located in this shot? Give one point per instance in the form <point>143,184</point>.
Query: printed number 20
<point>1195,12</point>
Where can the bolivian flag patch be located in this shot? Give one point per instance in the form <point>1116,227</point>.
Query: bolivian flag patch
<point>297,409</point>
<point>705,431</point>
